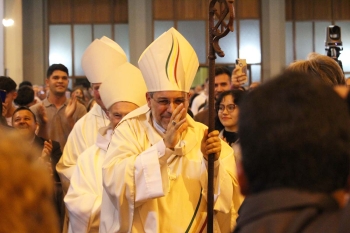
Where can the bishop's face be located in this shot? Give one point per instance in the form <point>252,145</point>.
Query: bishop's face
<point>118,110</point>
<point>163,103</point>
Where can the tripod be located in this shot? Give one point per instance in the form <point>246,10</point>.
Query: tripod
<point>333,43</point>
<point>334,53</point>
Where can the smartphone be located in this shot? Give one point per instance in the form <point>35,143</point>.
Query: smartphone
<point>242,65</point>
<point>2,95</point>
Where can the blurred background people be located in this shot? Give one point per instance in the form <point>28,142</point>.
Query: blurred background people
<point>34,87</point>
<point>24,121</point>
<point>295,137</point>
<point>7,84</point>
<point>2,118</point>
<point>347,82</point>
<point>87,94</point>
<point>199,101</point>
<point>321,66</point>
<point>253,85</point>
<point>25,96</point>
<point>26,189</point>
<point>25,83</point>
<point>78,92</point>
<point>194,91</point>
<point>40,92</point>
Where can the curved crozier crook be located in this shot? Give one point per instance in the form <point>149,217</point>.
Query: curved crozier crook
<point>225,28</point>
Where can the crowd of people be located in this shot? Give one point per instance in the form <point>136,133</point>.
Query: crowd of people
<point>131,154</point>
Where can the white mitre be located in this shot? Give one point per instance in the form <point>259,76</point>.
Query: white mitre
<point>100,58</point>
<point>126,84</point>
<point>169,63</point>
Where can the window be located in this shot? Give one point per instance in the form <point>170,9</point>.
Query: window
<point>190,18</point>
<point>74,24</point>
<point>306,23</point>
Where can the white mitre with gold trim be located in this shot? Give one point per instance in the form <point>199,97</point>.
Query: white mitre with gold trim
<point>125,83</point>
<point>100,58</point>
<point>169,63</point>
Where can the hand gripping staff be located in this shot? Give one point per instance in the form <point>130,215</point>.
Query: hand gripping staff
<point>218,9</point>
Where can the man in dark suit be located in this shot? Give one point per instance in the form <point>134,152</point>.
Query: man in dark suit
<point>24,121</point>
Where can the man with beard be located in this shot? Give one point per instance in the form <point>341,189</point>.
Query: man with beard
<point>156,160</point>
<point>294,171</point>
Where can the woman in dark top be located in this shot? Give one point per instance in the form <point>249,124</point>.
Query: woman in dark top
<point>226,120</point>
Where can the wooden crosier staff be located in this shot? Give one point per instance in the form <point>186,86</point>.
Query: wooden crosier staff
<point>216,32</point>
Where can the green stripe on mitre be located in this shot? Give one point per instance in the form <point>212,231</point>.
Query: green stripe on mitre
<point>167,61</point>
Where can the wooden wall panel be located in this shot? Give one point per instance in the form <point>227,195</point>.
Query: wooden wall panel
<point>194,9</point>
<point>163,9</point>
<point>322,10</point>
<point>289,9</point>
<point>120,11</point>
<point>303,10</point>
<point>82,11</point>
<point>341,9</point>
<point>248,9</point>
<point>102,11</point>
<point>59,11</point>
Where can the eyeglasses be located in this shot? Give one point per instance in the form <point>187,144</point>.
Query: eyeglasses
<point>229,107</point>
<point>166,102</point>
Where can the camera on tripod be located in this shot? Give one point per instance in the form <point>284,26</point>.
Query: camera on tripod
<point>333,43</point>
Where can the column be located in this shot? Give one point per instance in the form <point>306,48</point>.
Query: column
<point>140,27</point>
<point>34,46</point>
<point>2,44</point>
<point>273,38</point>
<point>13,41</point>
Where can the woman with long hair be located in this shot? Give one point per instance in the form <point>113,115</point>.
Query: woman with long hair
<point>226,120</point>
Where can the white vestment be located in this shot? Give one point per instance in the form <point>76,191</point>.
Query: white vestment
<point>82,136</point>
<point>197,102</point>
<point>84,196</point>
<point>149,188</point>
